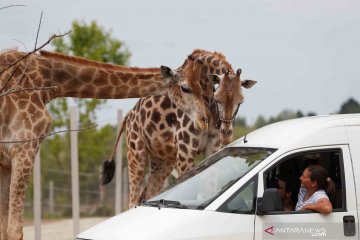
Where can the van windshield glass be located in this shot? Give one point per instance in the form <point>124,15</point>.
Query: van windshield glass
<point>213,176</point>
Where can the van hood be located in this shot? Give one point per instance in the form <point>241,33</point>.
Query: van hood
<point>152,223</point>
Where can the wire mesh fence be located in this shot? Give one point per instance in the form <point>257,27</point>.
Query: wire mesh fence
<point>56,196</point>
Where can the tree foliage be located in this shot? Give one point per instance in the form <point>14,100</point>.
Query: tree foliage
<point>93,42</point>
<point>350,106</point>
<point>94,145</point>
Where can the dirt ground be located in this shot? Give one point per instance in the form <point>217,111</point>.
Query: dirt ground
<point>59,230</point>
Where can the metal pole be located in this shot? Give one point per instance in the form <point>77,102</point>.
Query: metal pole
<point>74,169</point>
<point>37,197</point>
<point>118,169</point>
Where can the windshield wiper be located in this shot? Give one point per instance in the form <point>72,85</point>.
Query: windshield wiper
<point>164,203</point>
<point>228,185</point>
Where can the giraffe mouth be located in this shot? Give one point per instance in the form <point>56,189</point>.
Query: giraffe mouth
<point>225,140</point>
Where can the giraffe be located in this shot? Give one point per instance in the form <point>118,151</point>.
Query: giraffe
<point>24,120</point>
<point>167,144</point>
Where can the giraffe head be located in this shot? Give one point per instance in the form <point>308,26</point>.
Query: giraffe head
<point>228,97</point>
<point>186,94</point>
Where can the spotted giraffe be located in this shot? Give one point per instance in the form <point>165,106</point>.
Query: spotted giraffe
<point>26,86</point>
<point>159,133</point>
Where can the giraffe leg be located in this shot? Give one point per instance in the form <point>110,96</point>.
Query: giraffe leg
<point>159,171</point>
<point>21,169</point>
<point>5,174</point>
<point>137,161</point>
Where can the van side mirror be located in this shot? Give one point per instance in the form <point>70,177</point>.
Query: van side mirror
<point>269,202</point>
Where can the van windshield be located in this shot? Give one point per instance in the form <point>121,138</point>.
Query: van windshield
<point>213,176</point>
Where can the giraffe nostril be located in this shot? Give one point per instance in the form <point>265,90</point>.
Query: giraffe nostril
<point>226,132</point>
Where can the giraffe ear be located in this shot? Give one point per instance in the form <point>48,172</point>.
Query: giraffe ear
<point>167,72</point>
<point>248,83</point>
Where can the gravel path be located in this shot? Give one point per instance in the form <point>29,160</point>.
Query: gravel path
<point>59,230</point>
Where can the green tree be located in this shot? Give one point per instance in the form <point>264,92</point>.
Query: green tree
<point>93,42</point>
<point>350,106</point>
<point>95,145</point>
<point>240,121</point>
<point>260,121</point>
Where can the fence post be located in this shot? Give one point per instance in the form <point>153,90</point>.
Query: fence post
<point>125,188</point>
<point>118,169</point>
<point>74,169</point>
<point>51,198</point>
<point>37,197</point>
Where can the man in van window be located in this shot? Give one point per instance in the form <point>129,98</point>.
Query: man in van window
<point>288,188</point>
<point>316,188</point>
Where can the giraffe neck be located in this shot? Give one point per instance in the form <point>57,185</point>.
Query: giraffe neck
<point>82,78</point>
<point>78,77</point>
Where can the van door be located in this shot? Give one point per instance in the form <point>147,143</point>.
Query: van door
<point>340,224</point>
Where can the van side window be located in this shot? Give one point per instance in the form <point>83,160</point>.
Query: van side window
<point>243,201</point>
<point>285,176</point>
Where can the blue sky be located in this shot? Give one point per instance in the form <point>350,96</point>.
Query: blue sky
<point>303,53</point>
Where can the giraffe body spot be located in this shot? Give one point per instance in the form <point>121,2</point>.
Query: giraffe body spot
<point>166,103</point>
<point>148,104</point>
<point>171,119</point>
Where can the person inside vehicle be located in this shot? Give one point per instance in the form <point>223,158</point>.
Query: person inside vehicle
<point>288,188</point>
<point>316,188</point>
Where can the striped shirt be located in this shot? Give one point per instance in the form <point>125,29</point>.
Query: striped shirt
<point>311,200</point>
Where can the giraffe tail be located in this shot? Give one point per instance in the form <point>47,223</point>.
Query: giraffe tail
<point>108,167</point>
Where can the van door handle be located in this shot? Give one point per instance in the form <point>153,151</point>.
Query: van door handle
<point>349,225</point>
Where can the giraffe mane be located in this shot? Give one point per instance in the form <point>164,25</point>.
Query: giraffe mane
<point>91,63</point>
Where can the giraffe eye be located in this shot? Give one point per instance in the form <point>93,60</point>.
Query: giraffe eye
<point>185,89</point>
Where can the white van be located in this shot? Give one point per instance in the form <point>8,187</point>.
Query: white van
<point>230,195</point>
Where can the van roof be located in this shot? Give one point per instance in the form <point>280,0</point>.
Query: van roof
<point>301,132</point>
